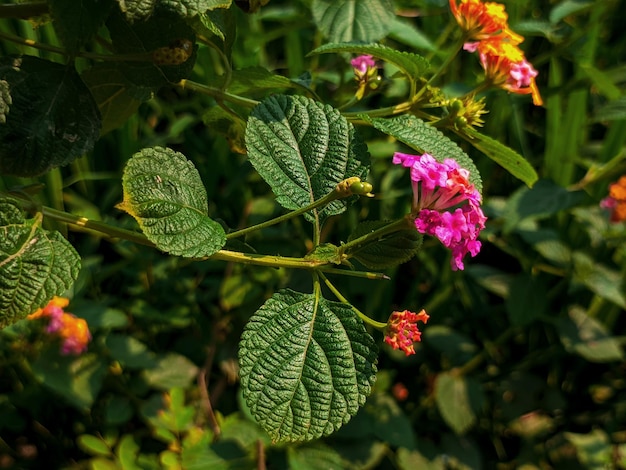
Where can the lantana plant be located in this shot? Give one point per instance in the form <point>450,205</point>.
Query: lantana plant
<point>307,363</point>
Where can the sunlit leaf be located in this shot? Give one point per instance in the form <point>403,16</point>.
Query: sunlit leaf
<point>35,264</point>
<point>303,149</point>
<point>458,399</point>
<point>164,193</point>
<point>306,365</point>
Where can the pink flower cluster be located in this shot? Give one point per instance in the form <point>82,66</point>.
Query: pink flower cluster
<point>402,330</point>
<point>73,331</point>
<point>437,187</point>
<point>363,66</point>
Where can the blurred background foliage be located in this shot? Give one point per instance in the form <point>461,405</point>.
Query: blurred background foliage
<point>522,363</point>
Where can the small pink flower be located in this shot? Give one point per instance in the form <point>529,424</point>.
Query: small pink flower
<point>446,205</point>
<point>362,65</point>
<point>402,330</point>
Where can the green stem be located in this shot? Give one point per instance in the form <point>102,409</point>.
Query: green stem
<point>217,93</point>
<point>400,224</point>
<point>359,274</point>
<point>382,112</point>
<point>320,202</point>
<point>376,324</point>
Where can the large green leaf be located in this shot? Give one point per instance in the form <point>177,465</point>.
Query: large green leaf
<point>76,21</point>
<point>303,149</point>
<point>458,399</point>
<point>164,193</point>
<point>412,65</point>
<point>35,264</point>
<point>306,365</point>
<point>423,137</point>
<point>603,281</point>
<point>139,10</point>
<point>385,251</point>
<point>53,118</point>
<point>504,156</point>
<point>587,337</point>
<point>353,20</point>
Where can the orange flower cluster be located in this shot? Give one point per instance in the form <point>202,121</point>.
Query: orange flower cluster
<point>73,331</point>
<point>402,330</point>
<point>616,202</point>
<point>503,61</point>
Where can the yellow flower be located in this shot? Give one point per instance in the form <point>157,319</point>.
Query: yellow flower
<point>483,20</point>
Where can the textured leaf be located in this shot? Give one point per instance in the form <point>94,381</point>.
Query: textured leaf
<point>164,193</point>
<point>424,138</point>
<point>116,96</point>
<point>411,64</point>
<point>76,21</point>
<point>137,10</point>
<point>585,336</point>
<point>458,398</point>
<point>306,366</point>
<point>140,10</point>
<point>53,118</point>
<point>159,31</point>
<point>353,20</point>
<point>303,149</point>
<point>504,156</point>
<point>386,251</point>
<point>35,264</point>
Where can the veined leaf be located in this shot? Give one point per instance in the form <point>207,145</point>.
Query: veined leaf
<point>423,137</point>
<point>53,118</point>
<point>353,20</point>
<point>307,365</point>
<point>35,264</point>
<point>504,156</point>
<point>303,149</point>
<point>140,10</point>
<point>5,100</point>
<point>164,193</point>
<point>412,65</point>
<point>386,251</point>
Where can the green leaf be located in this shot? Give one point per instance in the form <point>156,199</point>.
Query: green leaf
<point>458,399</point>
<point>306,365</point>
<point>171,370</point>
<point>594,449</point>
<point>76,380</point>
<point>423,137</point>
<point>76,21</point>
<point>353,20</point>
<point>568,7</point>
<point>412,65</point>
<point>325,252</point>
<point>35,264</point>
<point>585,336</point>
<point>164,193</point>
<point>386,251</point>
<point>93,445</point>
<point>137,10</point>
<point>303,149</point>
<point>127,452</point>
<point>605,282</point>
<point>253,79</point>
<point>611,111</point>
<point>53,119</point>
<point>191,8</point>
<point>143,38</point>
<point>117,98</point>
<point>313,456</point>
<point>130,352</point>
<point>504,156</point>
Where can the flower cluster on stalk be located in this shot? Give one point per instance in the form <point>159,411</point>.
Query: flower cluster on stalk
<point>486,27</point>
<point>402,330</point>
<point>616,200</point>
<point>73,331</point>
<point>445,204</point>
<point>366,74</point>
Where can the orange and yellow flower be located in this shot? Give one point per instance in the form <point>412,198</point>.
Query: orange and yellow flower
<point>402,331</point>
<point>483,20</point>
<point>73,331</point>
<point>616,201</point>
